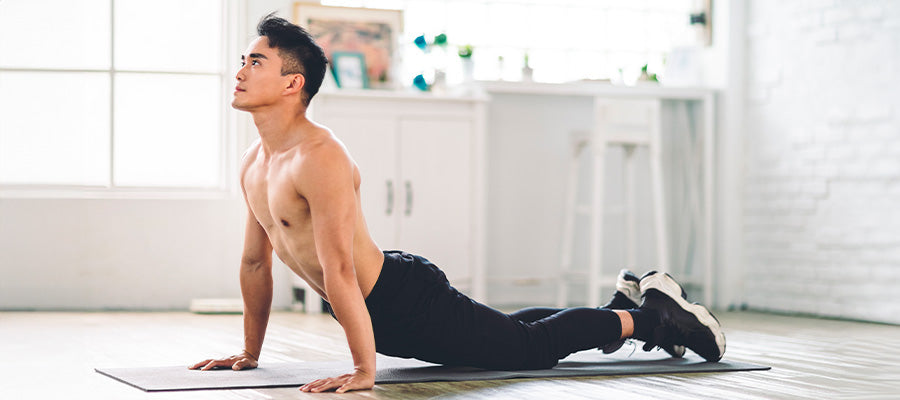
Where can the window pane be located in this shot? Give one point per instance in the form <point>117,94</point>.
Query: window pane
<point>167,130</point>
<point>54,34</point>
<point>168,35</point>
<point>54,128</point>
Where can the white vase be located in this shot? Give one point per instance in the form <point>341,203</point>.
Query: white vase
<point>527,74</point>
<point>468,67</point>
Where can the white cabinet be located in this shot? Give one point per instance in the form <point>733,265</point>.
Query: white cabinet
<point>421,161</point>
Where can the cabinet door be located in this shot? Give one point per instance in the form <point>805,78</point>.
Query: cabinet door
<point>372,142</point>
<point>436,203</point>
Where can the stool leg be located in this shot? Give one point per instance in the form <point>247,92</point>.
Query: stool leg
<point>598,147</point>
<point>562,292</point>
<point>596,236</point>
<point>659,211</point>
<point>629,182</point>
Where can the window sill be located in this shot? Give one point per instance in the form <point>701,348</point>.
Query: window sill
<point>74,192</point>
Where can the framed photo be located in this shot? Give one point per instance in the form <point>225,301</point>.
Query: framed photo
<point>373,33</point>
<point>349,70</point>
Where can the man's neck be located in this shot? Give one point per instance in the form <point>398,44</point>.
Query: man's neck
<point>279,128</point>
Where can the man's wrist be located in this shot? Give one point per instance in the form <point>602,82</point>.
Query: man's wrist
<point>254,357</point>
<point>366,369</point>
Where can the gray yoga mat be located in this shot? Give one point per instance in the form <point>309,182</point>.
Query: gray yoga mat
<point>399,370</point>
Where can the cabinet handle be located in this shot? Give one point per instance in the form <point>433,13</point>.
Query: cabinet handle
<point>409,198</point>
<point>390,197</point>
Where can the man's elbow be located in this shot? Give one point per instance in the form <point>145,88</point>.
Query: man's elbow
<point>255,264</point>
<point>341,274</point>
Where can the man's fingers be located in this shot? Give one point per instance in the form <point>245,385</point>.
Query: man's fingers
<point>342,383</point>
<point>321,385</point>
<point>345,387</point>
<point>353,384</point>
<point>243,363</point>
<point>212,364</point>
<point>309,386</point>
<point>200,364</point>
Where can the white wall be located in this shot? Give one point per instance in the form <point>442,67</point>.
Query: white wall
<point>822,170</point>
<point>728,54</point>
<point>117,253</point>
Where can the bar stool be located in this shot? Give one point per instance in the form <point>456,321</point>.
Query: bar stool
<point>611,129</point>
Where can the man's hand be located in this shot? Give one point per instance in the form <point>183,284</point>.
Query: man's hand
<point>358,380</point>
<point>237,363</point>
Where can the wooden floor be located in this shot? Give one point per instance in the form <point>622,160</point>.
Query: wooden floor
<point>52,356</point>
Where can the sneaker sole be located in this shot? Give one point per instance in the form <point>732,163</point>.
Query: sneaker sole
<point>676,351</point>
<point>630,287</point>
<point>670,290</point>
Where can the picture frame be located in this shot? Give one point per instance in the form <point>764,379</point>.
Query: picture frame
<point>373,33</point>
<point>349,69</point>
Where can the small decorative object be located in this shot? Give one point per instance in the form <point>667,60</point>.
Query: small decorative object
<point>440,40</point>
<point>440,81</point>
<point>436,58</point>
<point>468,66</point>
<point>527,72</point>
<point>349,70</point>
<point>465,51</point>
<point>374,33</point>
<point>701,22</point>
<point>419,83</point>
<point>647,77</point>
<point>420,42</point>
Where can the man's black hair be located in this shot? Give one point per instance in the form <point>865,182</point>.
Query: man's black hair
<point>298,51</point>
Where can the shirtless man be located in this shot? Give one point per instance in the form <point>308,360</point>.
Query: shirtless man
<point>302,190</point>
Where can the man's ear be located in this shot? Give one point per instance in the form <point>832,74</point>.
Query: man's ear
<point>295,85</point>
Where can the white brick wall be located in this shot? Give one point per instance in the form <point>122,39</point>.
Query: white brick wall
<point>822,189</point>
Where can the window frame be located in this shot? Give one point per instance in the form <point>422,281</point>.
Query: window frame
<point>230,131</point>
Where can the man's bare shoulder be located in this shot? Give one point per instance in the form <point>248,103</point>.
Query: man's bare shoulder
<point>249,157</point>
<point>321,148</point>
<point>322,156</point>
<point>250,154</point>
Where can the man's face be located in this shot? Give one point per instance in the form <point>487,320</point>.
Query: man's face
<point>259,81</point>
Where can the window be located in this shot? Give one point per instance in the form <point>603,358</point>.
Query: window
<point>112,93</point>
<point>565,40</point>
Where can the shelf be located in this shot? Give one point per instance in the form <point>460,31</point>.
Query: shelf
<point>483,89</point>
<point>601,89</point>
<point>401,95</point>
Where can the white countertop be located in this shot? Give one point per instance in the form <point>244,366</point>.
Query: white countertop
<point>482,90</point>
<point>587,88</point>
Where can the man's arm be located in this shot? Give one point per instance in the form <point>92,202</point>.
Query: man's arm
<point>256,285</point>
<point>327,183</point>
<point>256,289</point>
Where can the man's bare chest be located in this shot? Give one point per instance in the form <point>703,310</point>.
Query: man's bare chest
<point>274,201</point>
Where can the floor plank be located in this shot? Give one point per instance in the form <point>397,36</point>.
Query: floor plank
<point>52,355</point>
